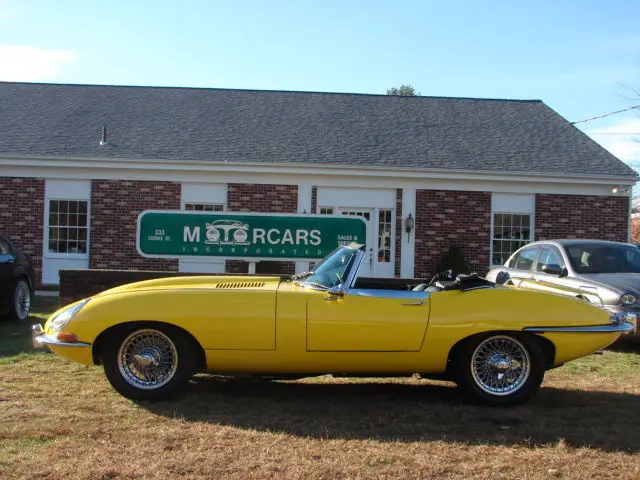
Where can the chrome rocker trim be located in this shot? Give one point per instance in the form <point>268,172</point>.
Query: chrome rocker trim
<point>41,339</point>
<point>613,328</point>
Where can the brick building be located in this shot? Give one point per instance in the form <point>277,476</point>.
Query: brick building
<point>78,163</point>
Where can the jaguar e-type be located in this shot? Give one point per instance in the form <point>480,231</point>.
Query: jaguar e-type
<point>494,342</point>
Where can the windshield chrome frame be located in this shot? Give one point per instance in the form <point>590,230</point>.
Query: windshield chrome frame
<point>352,275</point>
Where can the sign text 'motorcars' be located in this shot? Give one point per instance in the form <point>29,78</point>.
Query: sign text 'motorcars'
<point>177,233</point>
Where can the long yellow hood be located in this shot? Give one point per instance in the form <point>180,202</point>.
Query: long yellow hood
<point>199,282</point>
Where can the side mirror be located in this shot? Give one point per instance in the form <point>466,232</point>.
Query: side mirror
<point>336,291</point>
<point>5,258</point>
<point>553,269</point>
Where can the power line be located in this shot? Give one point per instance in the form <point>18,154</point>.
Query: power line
<point>606,115</point>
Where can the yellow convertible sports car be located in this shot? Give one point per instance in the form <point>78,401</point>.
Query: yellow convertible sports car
<point>495,342</point>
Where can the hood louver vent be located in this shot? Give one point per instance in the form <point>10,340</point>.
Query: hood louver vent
<point>240,285</point>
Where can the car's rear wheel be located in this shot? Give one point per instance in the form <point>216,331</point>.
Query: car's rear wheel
<point>148,362</point>
<point>20,300</point>
<point>499,369</point>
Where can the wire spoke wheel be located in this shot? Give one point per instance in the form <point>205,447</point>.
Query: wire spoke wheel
<point>500,365</point>
<point>147,359</point>
<point>22,300</point>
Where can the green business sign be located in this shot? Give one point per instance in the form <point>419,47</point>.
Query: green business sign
<point>172,234</point>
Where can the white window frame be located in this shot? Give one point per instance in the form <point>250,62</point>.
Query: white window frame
<point>511,204</point>
<point>66,190</point>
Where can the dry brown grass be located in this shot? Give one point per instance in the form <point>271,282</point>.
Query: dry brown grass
<point>62,421</point>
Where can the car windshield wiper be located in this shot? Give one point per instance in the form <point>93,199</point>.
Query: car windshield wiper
<point>316,285</point>
<point>300,276</point>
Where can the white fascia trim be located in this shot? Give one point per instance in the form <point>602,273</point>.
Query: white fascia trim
<point>302,169</point>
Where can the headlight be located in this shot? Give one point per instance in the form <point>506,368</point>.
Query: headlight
<point>628,299</point>
<point>61,319</point>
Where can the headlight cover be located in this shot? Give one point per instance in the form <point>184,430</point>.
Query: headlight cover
<point>628,299</point>
<point>61,319</point>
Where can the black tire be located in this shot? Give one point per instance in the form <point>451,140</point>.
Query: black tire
<point>20,300</point>
<point>151,343</point>
<point>517,357</point>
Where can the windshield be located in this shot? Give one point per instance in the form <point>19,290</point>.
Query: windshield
<point>334,269</point>
<point>604,258</point>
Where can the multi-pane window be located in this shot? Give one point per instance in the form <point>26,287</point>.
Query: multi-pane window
<point>357,213</point>
<point>68,225</point>
<point>510,232</point>
<point>326,210</point>
<point>384,235</point>
<point>204,207</point>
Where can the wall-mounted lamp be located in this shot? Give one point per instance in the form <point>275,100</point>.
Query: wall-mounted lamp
<point>409,223</point>
<point>621,189</point>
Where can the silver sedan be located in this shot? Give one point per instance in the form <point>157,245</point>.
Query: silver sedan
<point>603,273</point>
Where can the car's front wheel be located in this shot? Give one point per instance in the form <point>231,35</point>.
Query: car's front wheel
<point>499,369</point>
<point>148,362</point>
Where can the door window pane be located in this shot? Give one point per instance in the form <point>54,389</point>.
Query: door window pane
<point>68,224</point>
<point>549,256</point>
<point>5,249</point>
<point>526,258</point>
<point>384,235</point>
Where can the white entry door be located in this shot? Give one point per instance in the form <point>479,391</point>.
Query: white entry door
<point>379,261</point>
<point>66,227</point>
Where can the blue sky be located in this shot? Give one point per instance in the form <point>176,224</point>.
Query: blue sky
<point>580,57</point>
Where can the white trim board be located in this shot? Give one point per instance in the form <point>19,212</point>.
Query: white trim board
<point>356,197</point>
<point>219,172</point>
<point>498,185</point>
<point>203,193</point>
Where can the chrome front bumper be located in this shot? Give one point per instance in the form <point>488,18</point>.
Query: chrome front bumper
<point>40,339</point>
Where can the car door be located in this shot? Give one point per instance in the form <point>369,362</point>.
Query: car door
<point>7,266</point>
<point>520,267</point>
<point>367,320</point>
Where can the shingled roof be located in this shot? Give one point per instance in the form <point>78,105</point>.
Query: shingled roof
<point>296,128</point>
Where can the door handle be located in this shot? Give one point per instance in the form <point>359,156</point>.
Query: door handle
<point>412,304</point>
<point>333,298</point>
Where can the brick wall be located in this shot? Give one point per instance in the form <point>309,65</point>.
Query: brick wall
<point>22,216</point>
<point>115,205</point>
<point>445,218</point>
<point>581,216</point>
<point>261,198</point>
<point>399,230</point>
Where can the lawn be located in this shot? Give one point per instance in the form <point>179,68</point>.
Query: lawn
<point>60,420</point>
